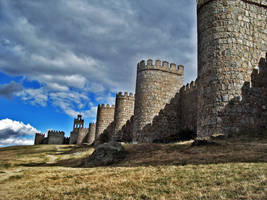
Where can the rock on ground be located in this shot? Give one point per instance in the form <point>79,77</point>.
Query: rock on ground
<point>106,154</point>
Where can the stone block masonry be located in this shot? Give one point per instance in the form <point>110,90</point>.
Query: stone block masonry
<point>78,126</point>
<point>156,85</point>
<point>91,133</point>
<point>39,137</point>
<point>124,110</point>
<point>231,38</point>
<point>82,135</point>
<point>55,137</point>
<point>187,109</point>
<point>105,115</point>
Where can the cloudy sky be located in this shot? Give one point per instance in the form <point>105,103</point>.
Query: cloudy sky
<point>59,58</point>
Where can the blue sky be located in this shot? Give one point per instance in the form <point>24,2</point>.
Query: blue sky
<point>64,57</point>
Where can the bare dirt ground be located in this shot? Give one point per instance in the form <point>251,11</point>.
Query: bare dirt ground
<point>234,168</point>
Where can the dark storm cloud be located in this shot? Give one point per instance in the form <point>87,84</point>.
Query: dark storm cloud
<point>94,45</point>
<point>8,90</point>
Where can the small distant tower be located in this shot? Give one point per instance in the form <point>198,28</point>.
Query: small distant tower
<point>105,116</point>
<point>77,127</point>
<point>91,133</point>
<point>156,85</point>
<point>124,110</point>
<point>78,122</point>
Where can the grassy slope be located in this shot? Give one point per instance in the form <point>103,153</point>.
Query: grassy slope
<point>234,169</point>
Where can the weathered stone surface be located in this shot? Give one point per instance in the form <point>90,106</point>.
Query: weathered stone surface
<point>156,85</point>
<point>105,115</point>
<point>231,39</point>
<point>91,134</point>
<point>55,137</point>
<point>124,110</point>
<point>106,154</point>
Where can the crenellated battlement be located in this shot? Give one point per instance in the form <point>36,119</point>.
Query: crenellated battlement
<point>106,106</point>
<point>40,134</point>
<point>55,133</point>
<point>189,87</point>
<point>161,66</point>
<point>259,76</point>
<point>125,95</point>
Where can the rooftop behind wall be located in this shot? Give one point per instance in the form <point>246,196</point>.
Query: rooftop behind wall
<point>164,66</point>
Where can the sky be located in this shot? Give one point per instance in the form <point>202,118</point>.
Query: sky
<point>60,58</point>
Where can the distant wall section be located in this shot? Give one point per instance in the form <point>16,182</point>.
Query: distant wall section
<point>55,137</point>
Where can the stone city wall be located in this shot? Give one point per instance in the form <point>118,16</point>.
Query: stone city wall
<point>105,115</point>
<point>82,134</point>
<point>187,110</point>
<point>124,110</point>
<point>91,133</point>
<point>156,85</point>
<point>55,137</point>
<point>39,137</point>
<point>74,136</point>
<point>231,38</point>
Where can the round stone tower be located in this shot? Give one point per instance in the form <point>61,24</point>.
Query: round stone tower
<point>124,110</point>
<point>91,133</point>
<point>232,37</point>
<point>105,115</point>
<point>156,85</point>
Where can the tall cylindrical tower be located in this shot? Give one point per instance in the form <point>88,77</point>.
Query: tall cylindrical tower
<point>105,115</point>
<point>156,85</point>
<point>91,133</point>
<point>124,109</point>
<point>231,39</point>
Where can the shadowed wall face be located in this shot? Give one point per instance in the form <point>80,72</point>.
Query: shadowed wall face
<point>231,39</point>
<point>105,115</point>
<point>82,134</point>
<point>91,133</point>
<point>39,138</point>
<point>156,85</point>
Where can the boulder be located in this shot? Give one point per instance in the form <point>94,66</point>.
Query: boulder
<point>106,154</point>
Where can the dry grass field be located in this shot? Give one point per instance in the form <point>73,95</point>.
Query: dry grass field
<point>235,168</point>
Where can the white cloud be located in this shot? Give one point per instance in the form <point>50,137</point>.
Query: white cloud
<point>91,48</point>
<point>8,126</point>
<point>16,133</point>
<point>34,96</point>
<point>16,141</point>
